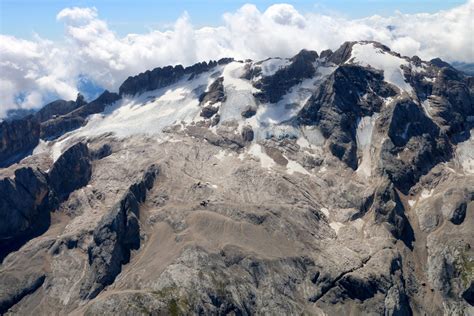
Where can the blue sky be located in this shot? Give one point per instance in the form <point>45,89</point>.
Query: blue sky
<point>23,18</point>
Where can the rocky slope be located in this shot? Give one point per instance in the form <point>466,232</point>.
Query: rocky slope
<point>324,184</point>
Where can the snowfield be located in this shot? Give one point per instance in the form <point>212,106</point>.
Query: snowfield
<point>366,54</point>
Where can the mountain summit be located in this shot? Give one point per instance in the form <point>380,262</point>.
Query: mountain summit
<point>327,183</point>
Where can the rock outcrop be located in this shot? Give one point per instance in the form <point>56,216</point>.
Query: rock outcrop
<point>215,93</point>
<point>58,108</point>
<point>27,199</point>
<point>76,164</point>
<point>60,125</point>
<point>116,235</point>
<point>414,145</point>
<point>350,93</point>
<point>17,139</point>
<point>275,86</point>
<point>162,77</point>
<point>24,208</point>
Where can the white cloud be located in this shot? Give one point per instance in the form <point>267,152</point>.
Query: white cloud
<point>40,69</point>
<point>76,14</point>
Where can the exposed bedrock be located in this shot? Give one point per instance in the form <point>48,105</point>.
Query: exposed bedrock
<point>350,93</point>
<point>27,199</point>
<point>58,108</point>
<point>275,86</point>
<point>117,233</point>
<point>414,145</point>
<point>17,139</point>
<point>59,125</point>
<point>162,77</point>
<point>215,93</point>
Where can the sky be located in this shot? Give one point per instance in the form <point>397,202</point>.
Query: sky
<point>24,18</point>
<point>53,49</point>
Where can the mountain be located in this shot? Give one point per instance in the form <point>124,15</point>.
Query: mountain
<point>325,184</point>
<point>467,68</point>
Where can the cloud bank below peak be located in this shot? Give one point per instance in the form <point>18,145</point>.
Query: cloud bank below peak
<point>33,72</point>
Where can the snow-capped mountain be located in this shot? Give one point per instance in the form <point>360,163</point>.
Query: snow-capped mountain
<point>327,183</point>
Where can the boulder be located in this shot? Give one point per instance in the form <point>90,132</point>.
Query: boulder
<point>247,133</point>
<point>249,111</point>
<point>209,111</point>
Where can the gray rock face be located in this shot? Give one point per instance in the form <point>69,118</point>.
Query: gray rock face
<point>162,77</point>
<point>57,126</point>
<point>412,133</point>
<point>389,210</point>
<point>275,86</point>
<point>17,139</point>
<point>23,207</point>
<point>249,111</point>
<point>116,235</point>
<point>58,108</point>
<point>247,133</point>
<point>214,94</point>
<point>75,163</point>
<point>350,93</point>
<point>209,111</point>
<point>17,289</point>
<point>449,97</point>
<point>27,199</point>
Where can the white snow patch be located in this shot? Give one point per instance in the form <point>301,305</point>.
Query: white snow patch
<point>336,226</point>
<point>325,211</point>
<point>426,194</point>
<point>265,160</point>
<point>272,65</point>
<point>419,69</point>
<point>172,140</point>
<point>149,112</point>
<point>269,117</point>
<point>364,141</point>
<point>294,166</point>
<point>239,93</point>
<point>232,74</point>
<point>288,106</point>
<point>465,154</point>
<point>303,142</point>
<point>313,135</point>
<point>366,54</point>
<point>58,148</point>
<point>220,155</point>
<point>427,108</point>
<point>358,224</point>
<point>405,131</point>
<point>43,146</point>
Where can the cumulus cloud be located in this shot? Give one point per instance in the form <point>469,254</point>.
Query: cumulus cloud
<point>76,14</point>
<point>33,72</point>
